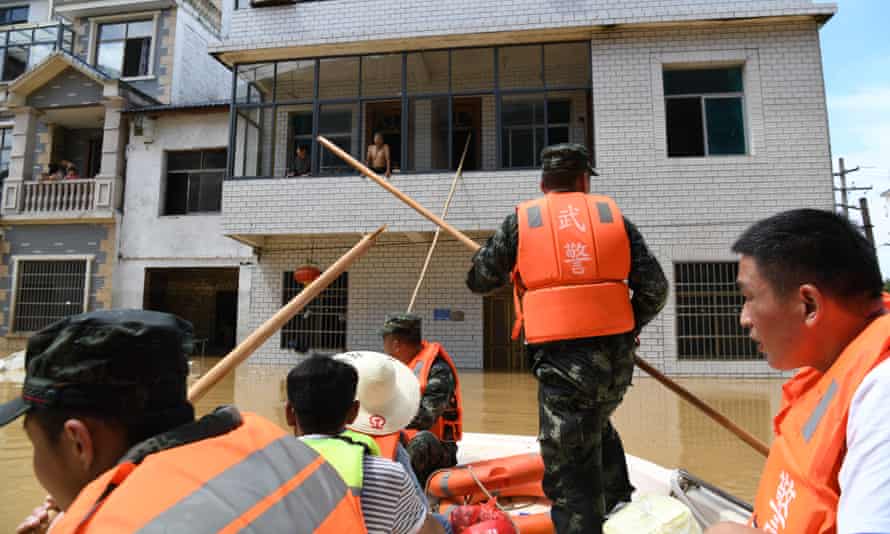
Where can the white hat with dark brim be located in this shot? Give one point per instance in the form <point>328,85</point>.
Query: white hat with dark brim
<point>388,392</point>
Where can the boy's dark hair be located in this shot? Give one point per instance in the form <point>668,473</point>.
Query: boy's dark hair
<point>321,391</point>
<point>560,179</point>
<point>808,246</point>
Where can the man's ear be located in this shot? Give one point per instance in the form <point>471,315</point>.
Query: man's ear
<point>352,413</point>
<point>289,414</point>
<point>80,441</point>
<point>813,302</point>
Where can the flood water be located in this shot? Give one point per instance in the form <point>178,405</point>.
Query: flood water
<point>653,422</point>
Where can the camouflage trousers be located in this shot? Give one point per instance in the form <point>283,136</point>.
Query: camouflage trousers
<point>585,472</point>
<point>429,454</point>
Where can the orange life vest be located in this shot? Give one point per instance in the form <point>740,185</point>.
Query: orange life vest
<point>570,278</point>
<point>255,477</point>
<point>449,426</point>
<point>388,444</point>
<point>799,489</point>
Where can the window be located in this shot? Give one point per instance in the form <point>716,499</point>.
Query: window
<point>504,104</point>
<point>48,290</point>
<point>194,181</point>
<point>524,124</point>
<point>123,49</point>
<point>705,112</point>
<point>708,308</point>
<point>14,15</point>
<point>23,48</point>
<point>321,326</point>
<point>5,149</point>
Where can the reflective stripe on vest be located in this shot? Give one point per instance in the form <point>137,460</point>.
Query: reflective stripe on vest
<point>254,477</point>
<point>292,501</point>
<point>799,490</point>
<point>572,265</point>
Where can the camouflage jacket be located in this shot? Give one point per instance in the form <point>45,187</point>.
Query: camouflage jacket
<point>494,262</point>
<point>439,389</point>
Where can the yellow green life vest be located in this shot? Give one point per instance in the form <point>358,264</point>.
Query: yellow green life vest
<point>346,457</point>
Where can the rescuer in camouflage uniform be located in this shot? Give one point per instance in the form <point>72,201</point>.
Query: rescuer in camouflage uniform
<point>581,381</point>
<point>427,452</point>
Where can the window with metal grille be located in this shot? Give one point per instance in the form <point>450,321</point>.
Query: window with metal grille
<point>48,291</point>
<point>708,308</point>
<point>194,181</point>
<point>321,326</point>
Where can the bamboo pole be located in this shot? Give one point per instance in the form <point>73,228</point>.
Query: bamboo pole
<point>360,167</point>
<point>429,254</point>
<point>281,317</point>
<point>685,394</point>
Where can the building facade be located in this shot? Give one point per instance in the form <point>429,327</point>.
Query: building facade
<point>73,72</point>
<point>703,116</point>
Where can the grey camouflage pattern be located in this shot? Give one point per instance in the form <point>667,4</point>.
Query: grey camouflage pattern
<point>428,454</point>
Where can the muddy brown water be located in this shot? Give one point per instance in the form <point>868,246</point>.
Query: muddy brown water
<point>653,422</point>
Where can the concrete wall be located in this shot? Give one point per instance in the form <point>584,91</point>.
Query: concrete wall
<point>362,20</point>
<point>96,240</point>
<point>197,76</point>
<point>380,283</point>
<point>689,209</point>
<point>149,239</point>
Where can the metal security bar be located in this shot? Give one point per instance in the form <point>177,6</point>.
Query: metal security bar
<point>708,308</point>
<point>321,326</point>
<point>48,291</point>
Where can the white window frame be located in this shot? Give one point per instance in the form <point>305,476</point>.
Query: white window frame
<point>703,101</point>
<point>129,17</point>
<point>16,271</point>
<point>752,104</point>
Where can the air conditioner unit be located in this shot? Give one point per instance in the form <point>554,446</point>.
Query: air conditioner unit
<point>144,127</point>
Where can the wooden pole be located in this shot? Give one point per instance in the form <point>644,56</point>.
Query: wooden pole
<point>719,418</point>
<point>687,395</point>
<point>277,321</point>
<point>360,167</point>
<point>429,254</point>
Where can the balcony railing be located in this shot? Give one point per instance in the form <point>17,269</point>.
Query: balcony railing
<point>22,47</point>
<point>95,198</point>
<point>56,197</point>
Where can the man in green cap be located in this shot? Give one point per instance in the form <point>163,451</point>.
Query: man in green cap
<point>117,446</point>
<point>431,438</point>
<point>574,260</point>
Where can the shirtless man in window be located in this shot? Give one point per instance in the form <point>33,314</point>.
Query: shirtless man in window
<point>378,156</point>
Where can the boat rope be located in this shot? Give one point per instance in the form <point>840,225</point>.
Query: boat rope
<point>492,498</point>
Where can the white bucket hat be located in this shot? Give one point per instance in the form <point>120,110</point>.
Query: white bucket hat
<point>388,392</point>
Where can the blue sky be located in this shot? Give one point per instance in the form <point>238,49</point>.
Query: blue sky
<point>856,58</point>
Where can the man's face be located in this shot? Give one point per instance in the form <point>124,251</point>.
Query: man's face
<point>775,322</point>
<point>390,344</point>
<point>54,465</point>
<point>378,139</point>
<point>301,153</point>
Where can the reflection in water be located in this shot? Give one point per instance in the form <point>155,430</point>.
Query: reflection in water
<point>654,424</point>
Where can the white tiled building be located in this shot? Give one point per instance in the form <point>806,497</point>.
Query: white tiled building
<point>703,116</point>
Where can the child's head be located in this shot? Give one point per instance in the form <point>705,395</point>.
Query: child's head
<point>321,396</point>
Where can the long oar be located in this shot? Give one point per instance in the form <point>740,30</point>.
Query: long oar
<point>429,254</point>
<point>281,317</point>
<point>715,415</point>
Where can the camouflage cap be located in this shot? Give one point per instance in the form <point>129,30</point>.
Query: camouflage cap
<point>406,324</point>
<point>566,157</point>
<point>121,362</point>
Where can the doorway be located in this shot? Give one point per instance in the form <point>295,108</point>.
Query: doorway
<point>385,118</point>
<point>501,353</point>
<point>467,121</point>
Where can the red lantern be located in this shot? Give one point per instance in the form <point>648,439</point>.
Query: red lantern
<point>307,274</point>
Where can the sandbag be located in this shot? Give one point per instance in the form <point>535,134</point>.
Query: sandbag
<point>653,514</point>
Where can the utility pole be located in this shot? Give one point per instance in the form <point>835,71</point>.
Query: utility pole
<point>866,221</point>
<point>842,174</point>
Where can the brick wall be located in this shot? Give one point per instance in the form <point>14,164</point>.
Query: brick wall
<point>196,76</point>
<point>364,20</point>
<point>379,283</point>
